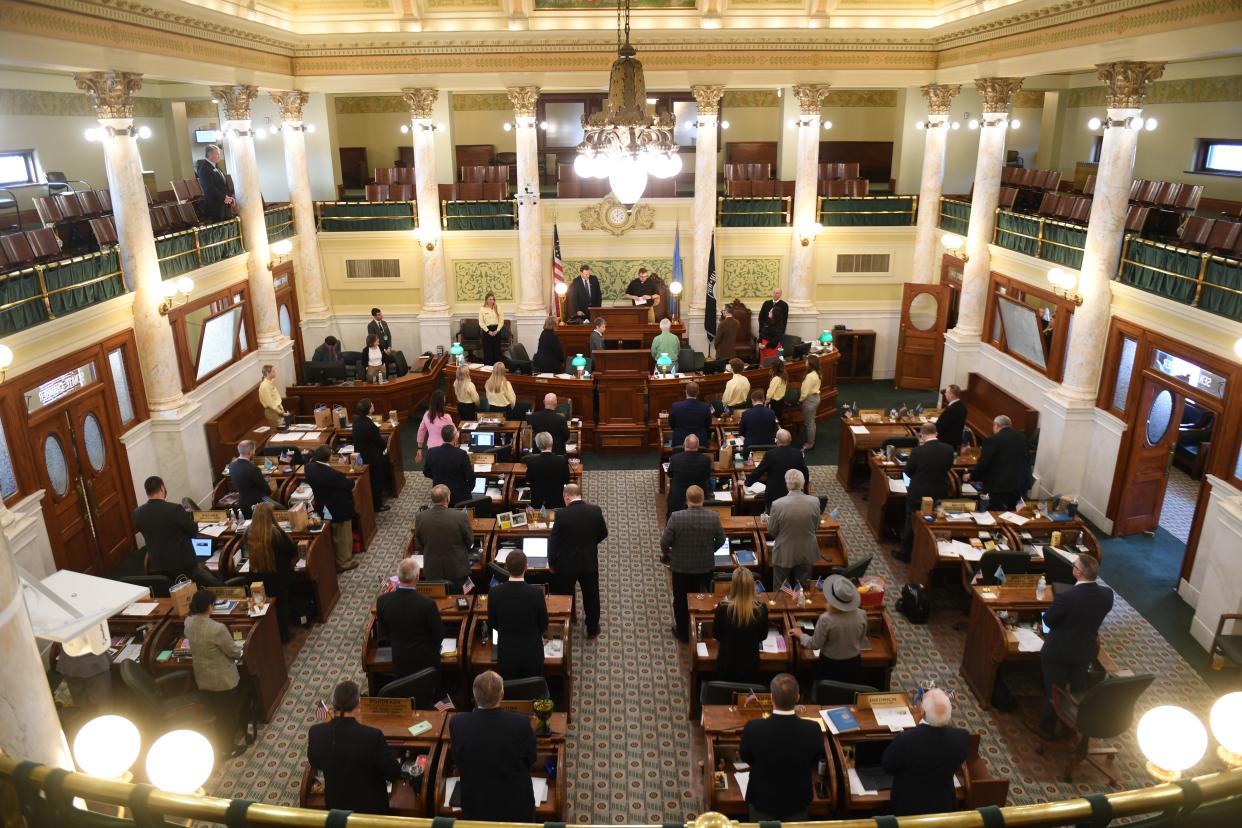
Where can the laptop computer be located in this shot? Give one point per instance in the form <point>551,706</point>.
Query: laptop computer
<point>536,550</point>
<point>202,548</point>
<point>482,439</point>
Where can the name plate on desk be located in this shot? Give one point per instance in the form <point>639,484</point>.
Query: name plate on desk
<point>373,706</point>
<point>874,700</point>
<point>210,516</point>
<point>517,706</point>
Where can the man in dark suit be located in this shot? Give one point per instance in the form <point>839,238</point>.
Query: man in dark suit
<point>758,424</point>
<point>688,467</point>
<point>251,486</point>
<point>952,419</point>
<point>928,470</point>
<point>725,341</point>
<point>690,416</point>
<point>493,750</point>
<point>167,530</point>
<point>584,294</point>
<point>1004,467</point>
<point>783,751</point>
<point>552,421</point>
<point>329,351</point>
<point>449,465</point>
<point>445,538</point>
<point>689,543</point>
<point>334,493</point>
<point>374,450</point>
<point>354,758</point>
<point>573,552</point>
<point>217,202</point>
<point>547,474</point>
<point>519,614</point>
<point>773,466</point>
<point>923,759</point>
<point>411,622</point>
<point>596,340</point>
<point>1074,620</point>
<point>380,328</point>
<point>773,316</point>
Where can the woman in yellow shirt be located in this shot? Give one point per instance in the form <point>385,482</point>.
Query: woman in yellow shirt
<point>737,389</point>
<point>776,388</point>
<point>809,398</point>
<point>500,396</point>
<point>270,399</point>
<point>466,394</point>
<point>491,320</point>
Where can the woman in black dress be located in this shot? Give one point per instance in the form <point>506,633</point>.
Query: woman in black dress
<point>273,555</point>
<point>740,626</point>
<point>549,357</point>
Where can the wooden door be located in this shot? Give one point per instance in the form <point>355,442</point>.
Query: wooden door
<point>920,344</point>
<point>98,457</point>
<point>354,172</point>
<point>66,510</point>
<point>1150,451</point>
<point>287,316</point>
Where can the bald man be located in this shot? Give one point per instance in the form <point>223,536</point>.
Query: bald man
<point>923,759</point>
<point>688,467</point>
<point>550,421</point>
<point>573,553</point>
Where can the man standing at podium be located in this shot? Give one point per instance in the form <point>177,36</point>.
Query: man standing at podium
<point>584,294</point>
<point>642,288</point>
<point>597,336</point>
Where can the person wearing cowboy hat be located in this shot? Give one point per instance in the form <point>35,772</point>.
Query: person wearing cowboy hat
<point>840,633</point>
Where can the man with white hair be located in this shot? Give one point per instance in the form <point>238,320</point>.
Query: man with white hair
<point>792,523</point>
<point>1004,467</point>
<point>552,421</point>
<point>666,342</point>
<point>411,622</point>
<point>547,473</point>
<point>923,759</point>
<point>775,463</point>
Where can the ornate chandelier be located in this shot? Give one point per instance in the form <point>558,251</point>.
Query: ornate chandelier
<point>623,143</point>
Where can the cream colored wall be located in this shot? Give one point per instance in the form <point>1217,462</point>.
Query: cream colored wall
<point>379,132</point>
<point>484,127</point>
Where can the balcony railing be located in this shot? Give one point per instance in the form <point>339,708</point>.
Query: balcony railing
<point>1191,277</point>
<point>868,211</point>
<point>1043,238</point>
<point>197,247</point>
<point>478,215</point>
<point>49,291</point>
<point>754,212</point>
<point>279,222</point>
<point>954,216</point>
<point>362,216</point>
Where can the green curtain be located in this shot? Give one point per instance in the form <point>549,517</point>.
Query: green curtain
<point>176,253</point>
<point>339,217</point>
<point>753,212</point>
<point>1140,252</point>
<point>1069,244</point>
<point>14,287</point>
<point>479,215</point>
<point>1015,232</point>
<point>1226,274</point>
<point>218,242</point>
<point>60,275</point>
<point>955,216</point>
<point>897,211</point>
<point>279,223</point>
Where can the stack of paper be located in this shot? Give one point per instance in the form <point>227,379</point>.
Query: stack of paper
<point>894,718</point>
<point>774,643</point>
<point>859,429</point>
<point>969,489</point>
<point>554,648</point>
<point>139,609</point>
<point>131,652</point>
<point>896,486</point>
<point>482,468</point>
<point>213,530</point>
<point>1014,518</point>
<point>724,497</point>
<point>756,488</point>
<point>449,785</point>
<point>983,518</point>
<point>700,650</point>
<point>1028,640</point>
<point>540,787</point>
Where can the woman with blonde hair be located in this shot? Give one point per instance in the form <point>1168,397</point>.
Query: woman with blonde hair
<point>808,398</point>
<point>777,386</point>
<point>740,626</point>
<point>273,556</point>
<point>491,320</point>
<point>466,394</point>
<point>500,396</point>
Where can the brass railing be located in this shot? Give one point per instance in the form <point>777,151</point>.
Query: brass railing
<point>912,213</point>
<point>276,228</point>
<point>44,295</point>
<point>406,216</point>
<point>785,202</point>
<point>507,209</point>
<point>55,789</point>
<point>195,234</point>
<point>1040,238</point>
<point>1199,279</point>
<point>957,224</point>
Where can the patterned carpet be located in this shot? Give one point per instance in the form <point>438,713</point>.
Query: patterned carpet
<point>1178,511</point>
<point>631,751</point>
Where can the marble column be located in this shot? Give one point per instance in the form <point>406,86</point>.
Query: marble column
<point>695,292</point>
<point>433,321</point>
<point>235,101</point>
<point>936,139</point>
<point>1127,85</point>
<point>993,124</point>
<point>805,203</point>
<point>29,727</point>
<point>308,267</point>
<point>111,93</point>
<point>534,284</point>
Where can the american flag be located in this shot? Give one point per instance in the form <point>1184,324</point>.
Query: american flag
<point>789,590</point>
<point>467,586</point>
<point>558,274</point>
<point>445,704</point>
<point>751,698</point>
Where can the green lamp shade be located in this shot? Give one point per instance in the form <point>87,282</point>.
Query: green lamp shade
<point>825,337</point>
<point>664,360</point>
<point>456,350</point>
<point>579,361</point>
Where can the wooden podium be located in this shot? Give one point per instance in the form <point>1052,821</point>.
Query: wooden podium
<point>622,408</point>
<point>638,359</point>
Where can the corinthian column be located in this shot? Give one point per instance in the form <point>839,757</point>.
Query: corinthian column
<point>245,170</point>
<point>111,93</point>
<point>1127,85</point>
<point>309,268</point>
<point>801,279</point>
<point>997,93</point>
<point>708,100</point>
<point>434,319</point>
<point>939,100</point>
<point>533,302</point>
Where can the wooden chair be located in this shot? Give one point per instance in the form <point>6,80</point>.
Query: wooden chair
<point>104,231</point>
<point>1223,237</point>
<point>377,192</point>
<point>1196,231</point>
<point>420,687</point>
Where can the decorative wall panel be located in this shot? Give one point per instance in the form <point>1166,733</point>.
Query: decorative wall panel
<point>474,278</point>
<point>748,277</point>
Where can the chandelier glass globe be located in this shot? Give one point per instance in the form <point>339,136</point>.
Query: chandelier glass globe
<point>628,179</point>
<point>582,167</point>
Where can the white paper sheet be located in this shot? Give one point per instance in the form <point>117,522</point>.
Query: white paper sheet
<point>212,530</point>
<point>554,648</point>
<point>139,609</point>
<point>859,429</point>
<point>723,497</point>
<point>448,645</point>
<point>757,488</point>
<point>983,518</point>
<point>823,714</point>
<point>774,643</point>
<point>896,486</point>
<point>894,718</point>
<point>482,468</point>
<point>539,786</point>
<point>1028,640</point>
<point>969,489</point>
<point>131,652</point>
<point>743,779</point>
<point>700,649</point>
<point>449,785</point>
<point>856,785</point>
<point>1014,518</point>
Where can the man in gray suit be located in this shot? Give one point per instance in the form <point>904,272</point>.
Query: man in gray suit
<point>597,335</point>
<point>444,537</point>
<point>792,524</point>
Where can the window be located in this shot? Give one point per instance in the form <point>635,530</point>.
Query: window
<point>1188,372</point>
<point>1125,370</point>
<point>120,381</point>
<point>8,480</point>
<point>18,167</point>
<point>1028,323</point>
<point>1218,156</point>
<point>60,386</point>
<point>212,333</point>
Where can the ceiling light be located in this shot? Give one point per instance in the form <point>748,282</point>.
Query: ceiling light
<point>1151,124</point>
<point>827,124</point>
<point>724,124</point>
<point>1094,124</point>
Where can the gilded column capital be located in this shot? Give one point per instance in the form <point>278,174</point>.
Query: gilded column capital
<point>1127,82</point>
<point>997,92</point>
<point>810,96</point>
<point>111,93</point>
<point>940,97</point>
<point>236,100</point>
<point>708,98</point>
<point>420,101</point>
<point>290,104</point>
<point>524,100</point>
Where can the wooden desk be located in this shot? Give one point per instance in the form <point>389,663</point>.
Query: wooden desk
<point>742,534</point>
<point>990,642</point>
<point>1036,533</point>
<point>580,393</point>
<point>314,573</point>
<point>927,557</point>
<point>391,432</point>
<point>237,422</point>
<point>985,400</point>
<point>622,416</point>
<point>703,667</point>
<point>403,394</point>
<point>364,506</point>
<point>557,670</point>
<point>858,438</point>
<point>622,359</point>
<point>140,630</point>
<point>518,494</point>
<point>833,551</point>
<point>513,538</point>
<point>886,509</point>
<point>877,660</point>
<point>627,325</point>
<point>262,657</point>
<point>377,649</point>
<point>483,529</point>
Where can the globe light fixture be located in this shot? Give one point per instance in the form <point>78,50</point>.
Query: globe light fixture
<point>675,289</point>
<point>973,123</point>
<point>579,364</point>
<point>144,132</point>
<point>107,747</point>
<point>955,244</point>
<point>1150,124</point>
<point>180,761</point>
<point>1094,124</point>
<point>956,125</point>
<point>185,285</point>
<point>507,127</point>
<point>283,247</point>
<point>1226,722</point>
<point>1015,123</point>
<point>664,363</point>
<point>6,359</point>
<point>405,129</point>
<point>1237,348</point>
<point>827,124</point>
<point>562,288</point>
<point>918,125</point>
<point>1173,740</point>
<point>724,124</point>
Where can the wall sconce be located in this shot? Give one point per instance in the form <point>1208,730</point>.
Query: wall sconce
<point>955,245</point>
<point>808,232</point>
<point>6,359</point>
<point>527,197</point>
<point>427,239</point>
<point>1134,123</point>
<point>1237,348</point>
<point>279,251</point>
<point>100,132</point>
<point>174,289</point>
<point>1064,284</point>
<point>436,127</point>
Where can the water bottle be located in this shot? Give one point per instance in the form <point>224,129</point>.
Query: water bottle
<point>1040,588</point>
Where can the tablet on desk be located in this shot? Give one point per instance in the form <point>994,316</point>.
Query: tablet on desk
<point>202,548</point>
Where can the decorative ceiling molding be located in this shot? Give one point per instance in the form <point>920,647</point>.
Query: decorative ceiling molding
<point>1192,90</point>
<point>370,104</point>
<point>68,104</point>
<point>481,102</point>
<point>1028,99</point>
<point>201,109</point>
<point>940,97</point>
<point>761,99</point>
<point>110,93</point>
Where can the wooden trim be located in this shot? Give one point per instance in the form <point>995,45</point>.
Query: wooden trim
<point>133,376</point>
<point>1119,329</point>
<point>177,319</point>
<point>1063,309</point>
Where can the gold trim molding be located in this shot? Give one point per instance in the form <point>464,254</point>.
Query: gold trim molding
<point>111,93</point>
<point>997,92</point>
<point>524,100</point>
<point>1126,82</point>
<point>290,104</point>
<point>420,102</point>
<point>235,100</point>
<point>940,97</point>
<point>481,102</point>
<point>1227,89</point>
<point>707,99</point>
<point>69,104</point>
<point>810,96</point>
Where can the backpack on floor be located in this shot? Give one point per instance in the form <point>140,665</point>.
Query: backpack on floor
<point>914,604</point>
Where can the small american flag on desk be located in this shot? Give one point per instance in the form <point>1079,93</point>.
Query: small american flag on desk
<point>467,586</point>
<point>789,590</point>
<point>445,704</point>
